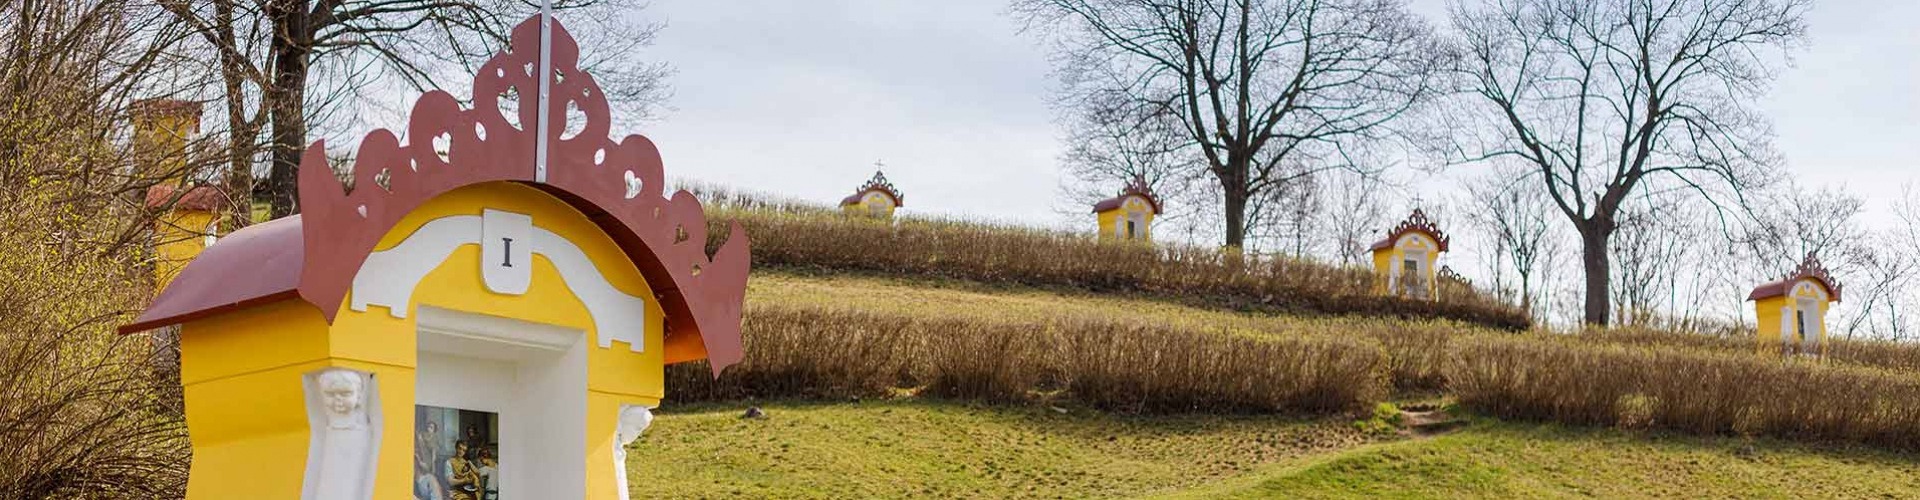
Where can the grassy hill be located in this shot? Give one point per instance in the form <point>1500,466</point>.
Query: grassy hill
<point>903,443</point>
<point>1494,459</point>
<point>944,450</point>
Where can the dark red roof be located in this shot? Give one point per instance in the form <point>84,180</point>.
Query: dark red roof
<point>1415,223</point>
<point>254,265</point>
<point>1810,268</point>
<point>201,198</point>
<point>315,255</point>
<point>878,183</point>
<point>165,107</point>
<point>1136,188</point>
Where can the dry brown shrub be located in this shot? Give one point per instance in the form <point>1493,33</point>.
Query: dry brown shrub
<point>84,412</point>
<point>993,253</point>
<point>1646,336</point>
<point>1149,368</point>
<point>834,353</point>
<point>1416,349</point>
<point>1697,390</point>
<point>1889,354</point>
<point>804,353</point>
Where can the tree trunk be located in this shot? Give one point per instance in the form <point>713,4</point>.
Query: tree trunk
<point>293,50</point>
<point>1598,265</point>
<point>243,134</point>
<point>1233,187</point>
<point>1236,215</point>
<point>1526,293</point>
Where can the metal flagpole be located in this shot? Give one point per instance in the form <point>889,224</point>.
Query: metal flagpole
<point>546,84</point>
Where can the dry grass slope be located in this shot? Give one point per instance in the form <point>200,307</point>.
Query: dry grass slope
<point>1694,390</point>
<point>989,253</point>
<point>841,353</point>
<point>838,337</point>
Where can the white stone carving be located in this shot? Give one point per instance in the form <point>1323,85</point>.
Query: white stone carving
<point>389,277</point>
<point>633,421</point>
<point>343,418</point>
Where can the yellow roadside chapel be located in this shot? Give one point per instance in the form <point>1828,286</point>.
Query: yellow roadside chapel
<point>1128,216</point>
<point>1792,312</point>
<point>186,217</point>
<point>1406,259</point>
<point>877,199</point>
<point>486,317</point>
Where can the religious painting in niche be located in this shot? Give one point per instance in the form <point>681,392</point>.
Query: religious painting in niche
<point>456,454</point>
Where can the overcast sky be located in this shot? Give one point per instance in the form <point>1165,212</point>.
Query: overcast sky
<point>801,98</point>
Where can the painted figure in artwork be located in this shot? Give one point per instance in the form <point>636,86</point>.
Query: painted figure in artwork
<point>426,486</point>
<point>489,474</point>
<point>463,477</point>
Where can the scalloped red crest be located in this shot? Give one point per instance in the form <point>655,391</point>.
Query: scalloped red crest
<point>879,183</point>
<point>1809,268</point>
<point>1417,222</point>
<point>1137,187</point>
<point>616,184</point>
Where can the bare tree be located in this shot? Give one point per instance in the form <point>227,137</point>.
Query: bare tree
<point>1112,140</point>
<point>1355,213</point>
<point>1794,222</point>
<point>1885,302</point>
<point>1253,84</point>
<point>1514,217</point>
<point>1299,208</point>
<point>1879,268</point>
<point>269,51</point>
<point>1652,250</point>
<point>1602,98</point>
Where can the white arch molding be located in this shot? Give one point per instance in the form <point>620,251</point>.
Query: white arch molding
<point>508,242</point>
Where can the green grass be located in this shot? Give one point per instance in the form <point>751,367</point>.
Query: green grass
<point>911,448</point>
<point>908,448</point>
<point>1510,460</point>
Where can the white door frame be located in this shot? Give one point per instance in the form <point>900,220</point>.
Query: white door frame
<point>533,375</point>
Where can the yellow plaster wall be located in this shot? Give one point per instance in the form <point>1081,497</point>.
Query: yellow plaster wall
<point>243,369</point>
<point>1767,312</point>
<point>1384,258</point>
<point>868,200</point>
<point>1112,221</point>
<point>160,141</point>
<point>178,237</point>
<point>245,407</point>
<point>600,437</point>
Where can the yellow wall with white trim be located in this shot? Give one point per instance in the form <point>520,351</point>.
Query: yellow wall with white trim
<point>242,370</point>
<point>1383,260</point>
<point>178,236</point>
<point>870,201</point>
<point>1112,222</point>
<point>1769,312</point>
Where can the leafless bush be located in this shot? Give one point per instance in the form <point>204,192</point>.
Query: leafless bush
<point>81,413</point>
<point>1016,255</point>
<point>819,352</point>
<point>1698,390</point>
<point>81,416</point>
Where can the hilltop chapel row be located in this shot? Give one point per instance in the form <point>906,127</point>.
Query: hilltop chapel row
<point>1791,311</point>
